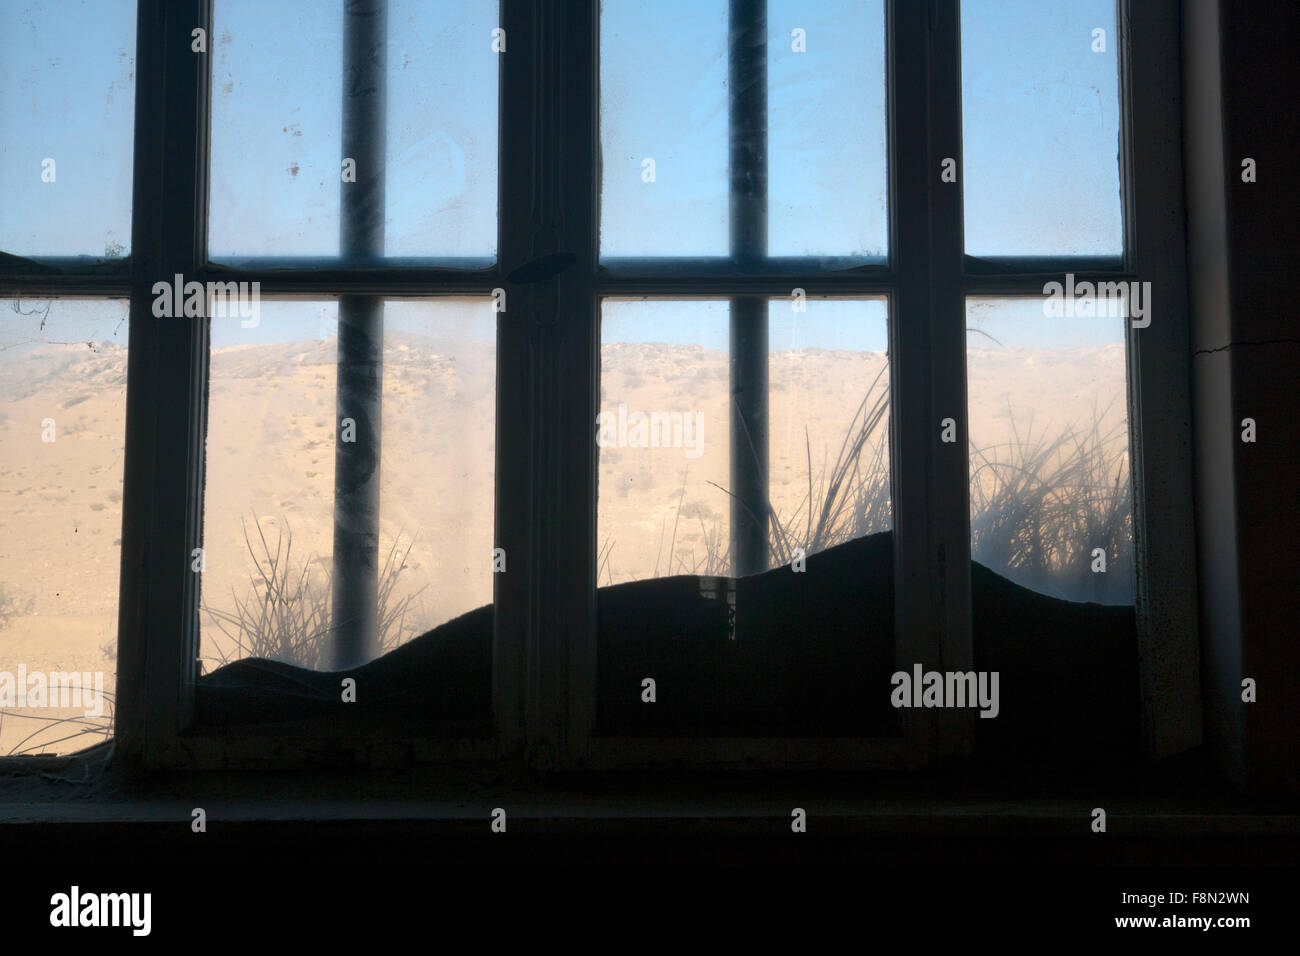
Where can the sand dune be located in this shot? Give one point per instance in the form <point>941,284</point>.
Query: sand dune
<point>271,456</point>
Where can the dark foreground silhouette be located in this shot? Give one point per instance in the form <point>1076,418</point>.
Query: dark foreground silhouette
<point>810,654</point>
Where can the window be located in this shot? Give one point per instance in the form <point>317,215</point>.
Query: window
<point>1041,129</point>
<point>269,515</point>
<point>63,392</point>
<point>65,157</point>
<point>1050,483</point>
<point>65,169</point>
<point>521,239</point>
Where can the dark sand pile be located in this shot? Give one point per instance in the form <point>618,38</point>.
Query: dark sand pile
<point>812,655</point>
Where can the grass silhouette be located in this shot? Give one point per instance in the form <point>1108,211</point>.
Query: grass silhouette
<point>1039,507</point>
<point>286,613</point>
<point>85,730</point>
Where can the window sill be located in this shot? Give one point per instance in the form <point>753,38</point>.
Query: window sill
<point>1167,813</point>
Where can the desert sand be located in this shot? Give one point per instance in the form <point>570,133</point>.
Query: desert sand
<point>270,456</point>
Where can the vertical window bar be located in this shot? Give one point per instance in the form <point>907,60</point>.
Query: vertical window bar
<point>514,509</point>
<point>166,390</point>
<point>360,338</point>
<point>544,640</point>
<point>1169,661</point>
<point>931,557</point>
<point>747,86</point>
<point>580,180</point>
<point>951,519</point>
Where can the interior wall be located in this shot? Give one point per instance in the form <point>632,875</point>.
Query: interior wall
<point>1243,239</point>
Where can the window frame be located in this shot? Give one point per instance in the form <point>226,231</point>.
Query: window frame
<point>548,364</point>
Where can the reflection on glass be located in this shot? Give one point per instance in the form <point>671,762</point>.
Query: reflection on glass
<point>1050,489</point>
<point>1040,118</point>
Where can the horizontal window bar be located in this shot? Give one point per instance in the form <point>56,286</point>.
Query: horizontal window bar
<point>328,277</point>
<point>729,266</point>
<point>63,265</point>
<point>357,264</point>
<point>64,287</point>
<point>1040,265</point>
<point>777,284</point>
<point>1032,284</point>
<point>63,275</point>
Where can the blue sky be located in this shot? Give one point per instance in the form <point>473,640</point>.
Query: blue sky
<point>67,93</point>
<point>1040,130</point>
<point>276,134</point>
<point>664,97</point>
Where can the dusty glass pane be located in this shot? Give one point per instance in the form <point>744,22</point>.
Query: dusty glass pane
<point>442,129</point>
<point>664,502</point>
<point>827,179</point>
<point>1040,118</point>
<point>268,518</point>
<point>661,507</point>
<point>1049,433</point>
<point>269,500</point>
<point>67,106</point>
<point>780,652</point>
<point>828,377</point>
<point>663,128</point>
<point>438,460</point>
<point>276,138</point>
<point>62,431</point>
<point>277,152</point>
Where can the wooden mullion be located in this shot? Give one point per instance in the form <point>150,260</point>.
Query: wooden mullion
<point>950,525</point>
<point>166,398</point>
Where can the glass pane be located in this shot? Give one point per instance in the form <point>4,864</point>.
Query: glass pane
<point>62,428</point>
<point>662,507</point>
<point>667,511</point>
<point>269,508</point>
<point>268,519</point>
<point>786,651</point>
<point>1040,118</point>
<point>277,162</point>
<point>67,108</point>
<point>276,139</point>
<point>1049,432</point>
<point>438,459</point>
<point>442,129</point>
<point>828,373</point>
<point>827,178</point>
<point>663,129</point>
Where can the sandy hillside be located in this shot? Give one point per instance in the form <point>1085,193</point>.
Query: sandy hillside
<point>270,457</point>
